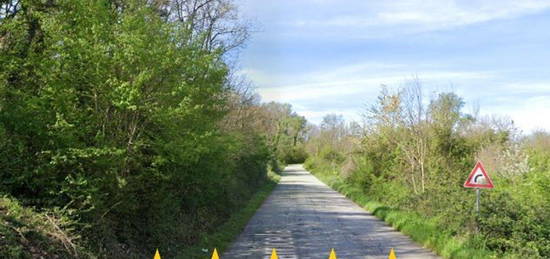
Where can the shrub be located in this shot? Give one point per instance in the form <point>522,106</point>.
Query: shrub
<point>25,233</point>
<point>296,155</point>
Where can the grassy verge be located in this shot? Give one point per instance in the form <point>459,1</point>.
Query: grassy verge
<point>422,230</point>
<point>26,233</point>
<point>227,232</point>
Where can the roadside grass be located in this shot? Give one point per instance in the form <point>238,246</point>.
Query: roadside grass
<point>422,230</point>
<point>26,233</point>
<point>226,233</point>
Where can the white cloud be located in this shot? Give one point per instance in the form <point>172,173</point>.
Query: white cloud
<point>346,91</point>
<point>529,88</point>
<point>528,114</point>
<point>455,13</point>
<point>299,57</point>
<point>525,103</point>
<point>417,15</point>
<point>327,85</point>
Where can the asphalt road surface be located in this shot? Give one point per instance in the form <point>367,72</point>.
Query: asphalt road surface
<point>304,218</point>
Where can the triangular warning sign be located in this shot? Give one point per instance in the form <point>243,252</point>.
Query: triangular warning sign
<point>478,178</point>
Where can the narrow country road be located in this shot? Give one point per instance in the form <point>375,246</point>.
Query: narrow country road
<point>304,218</point>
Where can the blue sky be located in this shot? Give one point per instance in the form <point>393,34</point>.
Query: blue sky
<point>326,56</point>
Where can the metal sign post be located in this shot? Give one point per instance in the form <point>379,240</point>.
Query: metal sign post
<point>478,179</point>
<point>477,200</point>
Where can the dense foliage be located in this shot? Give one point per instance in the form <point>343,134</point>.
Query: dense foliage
<point>123,117</point>
<point>416,157</point>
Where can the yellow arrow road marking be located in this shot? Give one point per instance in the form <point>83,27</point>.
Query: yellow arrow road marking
<point>215,254</point>
<point>392,254</point>
<point>274,254</point>
<point>157,255</point>
<point>332,254</point>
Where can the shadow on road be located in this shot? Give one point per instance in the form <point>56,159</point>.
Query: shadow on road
<point>304,218</point>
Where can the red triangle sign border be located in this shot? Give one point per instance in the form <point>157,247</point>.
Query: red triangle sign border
<point>488,184</point>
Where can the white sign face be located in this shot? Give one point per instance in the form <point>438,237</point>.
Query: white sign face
<point>478,178</point>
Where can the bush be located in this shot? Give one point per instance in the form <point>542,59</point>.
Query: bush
<point>296,155</point>
<point>121,116</point>
<point>25,233</point>
<point>332,156</point>
<point>512,225</point>
<point>415,158</point>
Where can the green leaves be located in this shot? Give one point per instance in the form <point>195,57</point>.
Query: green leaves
<point>416,158</point>
<point>113,112</point>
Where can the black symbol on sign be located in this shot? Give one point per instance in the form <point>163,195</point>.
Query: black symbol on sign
<point>477,176</point>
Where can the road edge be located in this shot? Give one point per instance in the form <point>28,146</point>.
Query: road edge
<point>417,228</point>
<point>228,232</point>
